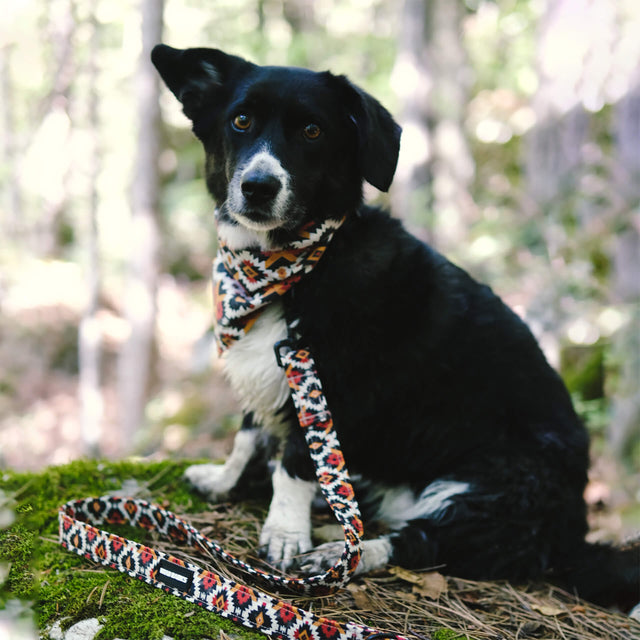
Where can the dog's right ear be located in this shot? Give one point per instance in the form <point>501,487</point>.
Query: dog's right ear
<point>378,134</point>
<point>192,74</point>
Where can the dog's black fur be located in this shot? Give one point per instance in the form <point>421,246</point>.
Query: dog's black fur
<point>429,376</point>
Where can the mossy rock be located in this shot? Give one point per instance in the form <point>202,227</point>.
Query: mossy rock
<point>69,589</point>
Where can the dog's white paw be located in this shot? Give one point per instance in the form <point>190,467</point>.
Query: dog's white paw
<point>321,558</point>
<point>216,480</point>
<point>212,480</point>
<point>283,545</point>
<point>375,555</point>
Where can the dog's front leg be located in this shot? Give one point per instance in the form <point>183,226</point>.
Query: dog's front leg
<point>286,532</point>
<point>216,480</point>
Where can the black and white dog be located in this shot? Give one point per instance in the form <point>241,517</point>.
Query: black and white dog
<point>462,437</point>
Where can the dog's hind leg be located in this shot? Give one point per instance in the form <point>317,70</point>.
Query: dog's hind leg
<point>375,554</point>
<point>465,529</point>
<point>396,507</point>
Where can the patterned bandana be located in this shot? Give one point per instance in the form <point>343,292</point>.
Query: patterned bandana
<point>247,280</point>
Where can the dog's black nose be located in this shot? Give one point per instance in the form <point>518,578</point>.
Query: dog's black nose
<point>260,188</point>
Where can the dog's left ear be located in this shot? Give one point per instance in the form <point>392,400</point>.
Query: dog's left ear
<point>378,135</point>
<point>193,74</point>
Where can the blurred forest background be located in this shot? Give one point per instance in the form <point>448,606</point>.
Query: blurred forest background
<point>520,161</point>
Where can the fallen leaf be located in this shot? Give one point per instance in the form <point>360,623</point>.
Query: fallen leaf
<point>406,575</point>
<point>361,597</point>
<point>409,597</point>
<point>432,585</point>
<point>548,610</point>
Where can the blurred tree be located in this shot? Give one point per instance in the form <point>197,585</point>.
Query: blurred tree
<point>432,77</point>
<point>53,218</point>
<point>12,205</point>
<point>412,80</point>
<point>581,192</point>
<point>89,336</point>
<point>135,361</point>
<point>625,424</point>
<point>554,157</point>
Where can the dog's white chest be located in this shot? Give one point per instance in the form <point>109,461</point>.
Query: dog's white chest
<point>252,370</point>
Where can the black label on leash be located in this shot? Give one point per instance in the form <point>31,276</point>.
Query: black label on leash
<point>174,576</point>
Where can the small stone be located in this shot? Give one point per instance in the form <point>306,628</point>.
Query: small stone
<point>83,630</point>
<point>55,633</point>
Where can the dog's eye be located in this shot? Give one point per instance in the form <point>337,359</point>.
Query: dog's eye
<point>242,122</point>
<point>312,132</point>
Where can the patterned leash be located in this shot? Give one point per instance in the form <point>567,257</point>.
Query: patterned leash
<point>79,519</point>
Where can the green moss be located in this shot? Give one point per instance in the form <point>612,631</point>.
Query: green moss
<point>17,549</point>
<point>68,588</point>
<point>448,634</point>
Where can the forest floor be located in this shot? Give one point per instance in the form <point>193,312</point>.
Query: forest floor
<point>68,589</point>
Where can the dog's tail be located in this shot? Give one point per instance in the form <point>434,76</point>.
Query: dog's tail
<point>605,574</point>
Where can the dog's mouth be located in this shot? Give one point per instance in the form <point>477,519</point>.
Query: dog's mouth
<point>257,219</point>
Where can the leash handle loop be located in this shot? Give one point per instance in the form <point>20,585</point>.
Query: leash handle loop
<point>79,532</point>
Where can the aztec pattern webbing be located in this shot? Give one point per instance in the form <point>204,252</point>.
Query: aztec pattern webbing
<point>79,521</point>
<point>247,280</point>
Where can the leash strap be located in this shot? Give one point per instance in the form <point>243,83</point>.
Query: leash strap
<point>79,532</point>
<point>241,604</point>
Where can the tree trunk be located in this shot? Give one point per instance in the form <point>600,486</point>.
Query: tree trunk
<point>412,81</point>
<point>135,361</point>
<point>453,167</point>
<point>624,433</point>
<point>55,200</point>
<point>553,159</point>
<point>432,77</point>
<point>89,336</point>
<point>13,204</point>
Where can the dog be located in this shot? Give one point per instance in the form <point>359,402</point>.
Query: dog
<point>459,435</point>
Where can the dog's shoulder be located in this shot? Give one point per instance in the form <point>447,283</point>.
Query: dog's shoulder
<point>380,285</point>
<point>374,262</point>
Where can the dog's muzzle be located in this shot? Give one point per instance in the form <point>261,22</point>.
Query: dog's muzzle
<point>259,193</point>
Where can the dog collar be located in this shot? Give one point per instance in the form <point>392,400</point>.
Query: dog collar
<point>247,280</point>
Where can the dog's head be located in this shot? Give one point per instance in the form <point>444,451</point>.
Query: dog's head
<point>283,145</point>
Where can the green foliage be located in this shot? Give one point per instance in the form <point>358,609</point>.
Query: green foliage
<point>448,634</point>
<point>17,550</point>
<point>582,369</point>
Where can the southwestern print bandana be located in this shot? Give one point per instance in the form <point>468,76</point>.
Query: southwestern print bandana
<point>247,280</point>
